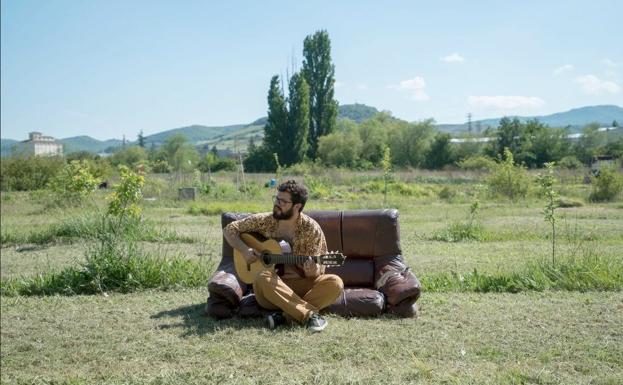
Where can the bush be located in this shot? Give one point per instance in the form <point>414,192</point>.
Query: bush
<point>477,163</point>
<point>508,179</point>
<point>73,184</point>
<point>607,185</point>
<point>570,162</point>
<point>31,173</point>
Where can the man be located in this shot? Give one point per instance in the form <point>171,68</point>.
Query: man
<point>299,292</point>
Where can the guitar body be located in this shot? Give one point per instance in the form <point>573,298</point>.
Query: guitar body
<point>247,272</point>
<point>271,253</point>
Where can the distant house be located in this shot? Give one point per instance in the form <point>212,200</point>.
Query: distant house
<point>40,145</point>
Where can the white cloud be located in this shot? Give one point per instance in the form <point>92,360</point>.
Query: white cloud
<point>505,101</point>
<point>362,87</point>
<point>592,85</point>
<point>563,69</point>
<point>416,86</point>
<point>453,58</point>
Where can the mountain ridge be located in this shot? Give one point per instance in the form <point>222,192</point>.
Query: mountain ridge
<point>241,133</point>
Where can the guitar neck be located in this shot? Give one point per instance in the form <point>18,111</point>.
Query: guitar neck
<point>287,259</point>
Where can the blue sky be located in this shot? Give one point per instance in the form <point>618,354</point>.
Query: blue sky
<point>108,68</point>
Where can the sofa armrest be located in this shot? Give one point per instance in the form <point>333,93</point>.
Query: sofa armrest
<point>225,284</point>
<point>396,281</point>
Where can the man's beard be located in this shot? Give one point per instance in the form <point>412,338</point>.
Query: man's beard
<point>284,214</point>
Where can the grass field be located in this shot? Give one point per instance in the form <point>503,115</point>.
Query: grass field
<point>160,336</point>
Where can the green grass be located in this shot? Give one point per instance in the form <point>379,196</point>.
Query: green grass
<point>494,309</point>
<point>156,337</point>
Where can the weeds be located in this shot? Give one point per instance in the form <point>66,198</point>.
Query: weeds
<point>584,273</point>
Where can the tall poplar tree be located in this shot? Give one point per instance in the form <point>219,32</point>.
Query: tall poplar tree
<point>275,130</point>
<point>298,120</point>
<point>319,73</point>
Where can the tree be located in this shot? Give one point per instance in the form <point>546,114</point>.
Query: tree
<point>409,143</point>
<point>509,135</point>
<point>440,152</point>
<point>275,130</point>
<point>340,149</point>
<point>589,143</point>
<point>180,154</point>
<point>298,121</point>
<point>141,139</point>
<point>130,156</point>
<point>319,72</point>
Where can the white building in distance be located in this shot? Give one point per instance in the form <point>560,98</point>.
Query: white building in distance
<point>37,144</point>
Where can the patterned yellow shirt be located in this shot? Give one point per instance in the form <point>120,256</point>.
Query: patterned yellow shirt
<point>308,237</point>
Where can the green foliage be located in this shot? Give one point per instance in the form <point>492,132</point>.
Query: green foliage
<point>218,208</point>
<point>114,263</point>
<point>298,121</point>
<point>547,182</point>
<point>607,186</point>
<point>532,143</point>
<point>409,142</point>
<point>73,184</point>
<point>213,163</point>
<point>340,149</point>
<point>356,112</point>
<point>440,153</point>
<point>477,163</point>
<point>590,271</point>
<point>28,173</point>
<point>386,164</point>
<point>276,128</point>
<point>469,230</point>
<point>160,166</point>
<point>318,71</point>
<point>589,143</point>
<point>130,156</point>
<point>508,179</point>
<point>570,162</point>
<point>259,159</point>
<point>180,154</point>
<point>127,195</point>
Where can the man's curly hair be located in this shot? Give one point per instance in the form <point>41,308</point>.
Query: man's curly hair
<point>297,191</point>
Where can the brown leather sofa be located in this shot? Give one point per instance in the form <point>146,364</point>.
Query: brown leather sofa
<point>376,280</point>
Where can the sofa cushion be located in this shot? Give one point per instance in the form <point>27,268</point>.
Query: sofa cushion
<point>355,272</point>
<point>331,224</point>
<point>370,233</point>
<point>358,302</point>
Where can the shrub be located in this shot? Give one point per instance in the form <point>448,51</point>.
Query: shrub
<point>73,184</point>
<point>607,185</point>
<point>127,195</point>
<point>570,162</point>
<point>469,230</point>
<point>160,166</point>
<point>31,173</point>
<point>477,163</point>
<point>508,179</point>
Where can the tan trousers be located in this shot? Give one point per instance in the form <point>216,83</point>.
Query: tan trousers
<point>297,297</point>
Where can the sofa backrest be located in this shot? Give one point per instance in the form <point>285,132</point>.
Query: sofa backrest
<point>362,235</point>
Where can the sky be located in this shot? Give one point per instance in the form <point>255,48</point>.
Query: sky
<point>109,68</point>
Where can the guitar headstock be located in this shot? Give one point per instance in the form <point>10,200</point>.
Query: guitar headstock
<point>332,258</point>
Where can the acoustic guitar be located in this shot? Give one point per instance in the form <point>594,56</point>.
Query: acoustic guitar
<point>271,253</point>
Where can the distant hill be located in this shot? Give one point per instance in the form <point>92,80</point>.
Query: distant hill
<point>86,143</point>
<point>357,112</point>
<point>237,136</point>
<point>5,146</point>
<point>195,133</point>
<point>575,119</point>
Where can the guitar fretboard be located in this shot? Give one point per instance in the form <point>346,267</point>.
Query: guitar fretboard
<point>286,259</point>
